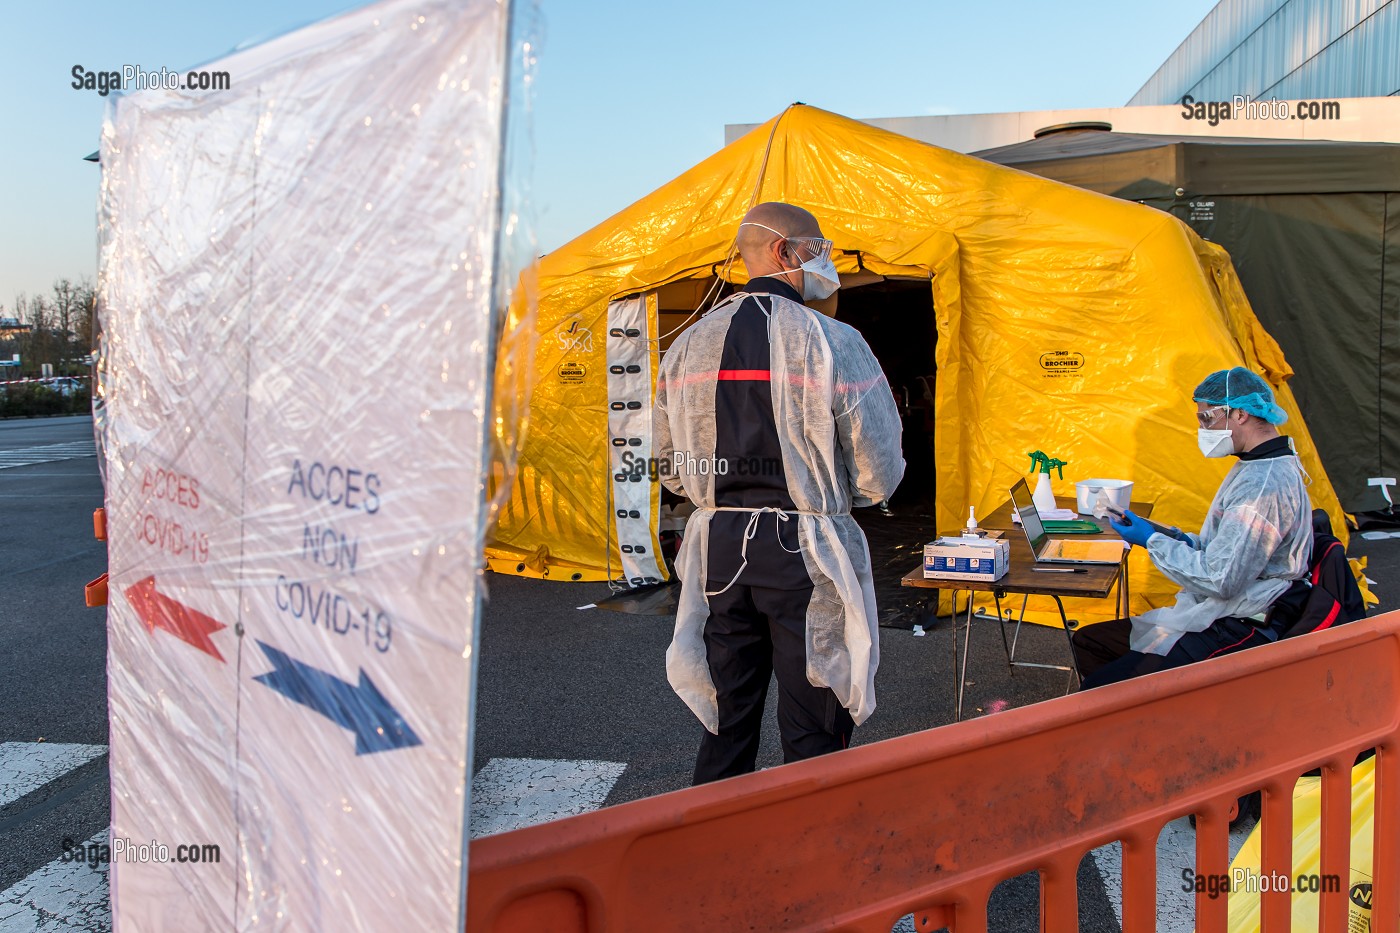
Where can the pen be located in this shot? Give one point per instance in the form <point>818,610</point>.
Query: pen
<point>1059,570</point>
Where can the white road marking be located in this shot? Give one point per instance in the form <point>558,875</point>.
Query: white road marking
<point>1176,849</point>
<point>512,793</point>
<point>68,897</point>
<point>48,453</point>
<point>27,766</point>
<point>59,898</point>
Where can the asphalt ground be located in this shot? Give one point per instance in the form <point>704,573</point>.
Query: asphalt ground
<point>559,682</point>
<point>555,682</point>
<point>53,649</point>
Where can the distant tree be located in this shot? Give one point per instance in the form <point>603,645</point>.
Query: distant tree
<point>60,328</point>
<point>73,308</point>
<point>36,344</point>
<point>87,320</point>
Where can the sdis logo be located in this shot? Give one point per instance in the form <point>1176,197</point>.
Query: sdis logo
<point>576,338</point>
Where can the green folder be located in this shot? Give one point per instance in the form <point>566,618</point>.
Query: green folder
<point>1078,526</point>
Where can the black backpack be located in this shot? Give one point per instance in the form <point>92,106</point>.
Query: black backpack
<point>1327,596</point>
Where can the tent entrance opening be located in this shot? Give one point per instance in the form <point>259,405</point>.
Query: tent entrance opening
<point>895,316</point>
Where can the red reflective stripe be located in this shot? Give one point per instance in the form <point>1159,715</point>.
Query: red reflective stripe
<point>1317,571</point>
<point>1331,616</point>
<point>743,375</point>
<point>1235,645</point>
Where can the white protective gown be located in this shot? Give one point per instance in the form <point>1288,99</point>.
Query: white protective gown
<point>1256,540</point>
<point>840,432</point>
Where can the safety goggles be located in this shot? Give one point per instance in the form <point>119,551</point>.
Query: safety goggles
<point>1208,417</point>
<point>809,248</point>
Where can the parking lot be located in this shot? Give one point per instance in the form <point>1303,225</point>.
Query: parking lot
<point>574,701</point>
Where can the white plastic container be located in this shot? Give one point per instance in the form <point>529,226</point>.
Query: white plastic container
<point>1086,493</point>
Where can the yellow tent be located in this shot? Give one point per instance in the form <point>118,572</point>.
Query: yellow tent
<point>1053,318</point>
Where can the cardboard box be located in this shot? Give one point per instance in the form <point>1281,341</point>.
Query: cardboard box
<point>984,560</point>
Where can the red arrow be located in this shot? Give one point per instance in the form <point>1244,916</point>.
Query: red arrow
<point>160,611</point>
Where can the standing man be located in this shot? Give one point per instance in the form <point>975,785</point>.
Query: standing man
<point>792,423</point>
<point>1255,541</point>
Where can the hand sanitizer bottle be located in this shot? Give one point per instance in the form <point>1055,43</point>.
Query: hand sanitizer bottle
<point>971,530</point>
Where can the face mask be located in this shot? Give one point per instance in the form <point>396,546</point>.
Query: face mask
<point>1219,443</point>
<point>1215,443</point>
<point>819,279</point>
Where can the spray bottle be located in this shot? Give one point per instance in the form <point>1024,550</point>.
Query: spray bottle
<point>1043,496</point>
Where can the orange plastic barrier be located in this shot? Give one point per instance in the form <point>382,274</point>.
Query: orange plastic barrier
<point>930,823</point>
<point>95,592</point>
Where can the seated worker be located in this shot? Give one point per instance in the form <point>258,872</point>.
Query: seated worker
<point>1255,542</point>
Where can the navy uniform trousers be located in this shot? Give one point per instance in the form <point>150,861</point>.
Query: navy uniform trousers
<point>758,625</point>
<point>1102,654</point>
<point>753,633</point>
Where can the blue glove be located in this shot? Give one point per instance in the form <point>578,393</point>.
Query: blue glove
<point>1133,529</point>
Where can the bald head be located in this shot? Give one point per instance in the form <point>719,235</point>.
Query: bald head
<point>761,247</point>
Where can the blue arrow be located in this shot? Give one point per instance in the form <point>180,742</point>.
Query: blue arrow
<point>363,709</point>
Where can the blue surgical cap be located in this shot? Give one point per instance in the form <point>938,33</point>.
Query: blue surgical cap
<point>1243,390</point>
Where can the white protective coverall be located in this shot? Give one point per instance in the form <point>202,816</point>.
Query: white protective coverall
<point>839,430</point>
<point>1256,540</point>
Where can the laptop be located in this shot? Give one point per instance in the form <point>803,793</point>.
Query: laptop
<point>1048,550</point>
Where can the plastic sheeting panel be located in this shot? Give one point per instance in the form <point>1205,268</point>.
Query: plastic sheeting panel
<point>298,286</point>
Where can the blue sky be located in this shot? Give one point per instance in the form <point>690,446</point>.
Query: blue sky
<point>628,94</point>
